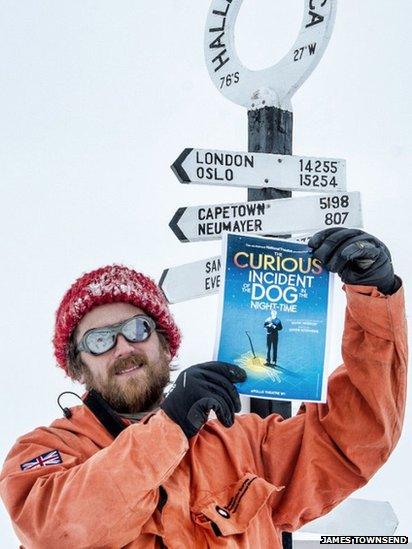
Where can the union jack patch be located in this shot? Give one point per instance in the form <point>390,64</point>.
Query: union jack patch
<point>49,458</point>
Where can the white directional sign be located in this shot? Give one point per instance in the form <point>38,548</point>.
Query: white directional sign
<point>281,216</point>
<point>197,279</point>
<point>191,280</point>
<point>276,85</point>
<point>357,517</point>
<point>247,169</point>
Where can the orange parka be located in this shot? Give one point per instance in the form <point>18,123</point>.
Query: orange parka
<point>234,488</point>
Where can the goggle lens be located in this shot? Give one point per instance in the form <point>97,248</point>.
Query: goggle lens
<point>136,329</point>
<point>100,340</point>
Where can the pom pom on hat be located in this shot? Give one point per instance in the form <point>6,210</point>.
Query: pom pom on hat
<point>111,284</point>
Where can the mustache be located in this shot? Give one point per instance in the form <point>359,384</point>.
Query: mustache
<point>125,363</point>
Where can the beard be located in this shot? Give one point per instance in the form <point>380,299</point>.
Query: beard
<point>138,393</point>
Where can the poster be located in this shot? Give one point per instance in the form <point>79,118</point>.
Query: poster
<point>275,306</point>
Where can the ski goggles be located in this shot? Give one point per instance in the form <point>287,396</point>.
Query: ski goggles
<point>100,340</point>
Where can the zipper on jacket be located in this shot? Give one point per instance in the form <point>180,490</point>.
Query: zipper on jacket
<point>216,529</point>
<point>161,503</point>
<point>162,498</point>
<point>161,542</point>
<point>203,519</point>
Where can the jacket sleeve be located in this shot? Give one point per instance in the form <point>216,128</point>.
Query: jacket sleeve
<point>98,502</point>
<point>329,450</point>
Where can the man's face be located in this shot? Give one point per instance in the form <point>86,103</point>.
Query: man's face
<point>131,376</point>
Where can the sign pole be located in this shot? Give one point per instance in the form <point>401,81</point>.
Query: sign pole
<point>270,130</point>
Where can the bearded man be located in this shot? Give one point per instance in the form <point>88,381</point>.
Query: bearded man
<point>130,468</point>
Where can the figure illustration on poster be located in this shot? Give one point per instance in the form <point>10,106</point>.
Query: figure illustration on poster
<point>273,326</point>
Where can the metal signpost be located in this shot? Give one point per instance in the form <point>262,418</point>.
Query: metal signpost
<point>267,169</point>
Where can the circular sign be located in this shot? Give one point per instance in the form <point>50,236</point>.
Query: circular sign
<point>276,85</point>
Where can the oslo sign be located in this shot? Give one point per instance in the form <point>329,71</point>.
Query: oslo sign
<point>272,87</point>
<point>281,216</point>
<point>241,169</point>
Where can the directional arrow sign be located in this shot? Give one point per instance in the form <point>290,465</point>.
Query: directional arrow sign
<point>283,216</point>
<point>191,280</point>
<point>241,169</point>
<point>196,279</point>
<point>360,517</point>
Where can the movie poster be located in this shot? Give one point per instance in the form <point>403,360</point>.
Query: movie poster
<point>274,316</point>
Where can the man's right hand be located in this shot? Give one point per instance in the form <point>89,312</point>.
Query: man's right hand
<point>200,389</point>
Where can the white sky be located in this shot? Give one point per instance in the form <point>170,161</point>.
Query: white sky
<point>98,98</point>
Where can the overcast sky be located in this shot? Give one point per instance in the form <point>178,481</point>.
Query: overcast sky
<point>98,98</point>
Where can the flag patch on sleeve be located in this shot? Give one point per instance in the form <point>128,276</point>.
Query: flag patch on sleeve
<point>49,458</point>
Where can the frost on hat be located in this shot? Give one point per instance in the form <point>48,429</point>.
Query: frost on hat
<point>111,284</point>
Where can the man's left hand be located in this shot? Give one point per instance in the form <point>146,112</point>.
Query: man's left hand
<point>358,257</point>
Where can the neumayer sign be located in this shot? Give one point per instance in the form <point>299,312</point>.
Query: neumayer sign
<point>282,216</point>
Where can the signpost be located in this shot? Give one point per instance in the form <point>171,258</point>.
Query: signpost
<point>267,96</point>
<point>260,170</point>
<point>268,170</point>
<point>281,217</point>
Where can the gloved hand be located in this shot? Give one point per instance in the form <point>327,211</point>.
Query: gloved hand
<point>358,257</point>
<point>200,389</point>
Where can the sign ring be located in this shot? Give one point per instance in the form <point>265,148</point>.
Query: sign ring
<point>275,85</point>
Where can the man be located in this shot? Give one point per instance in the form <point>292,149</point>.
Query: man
<point>96,479</point>
<point>273,326</point>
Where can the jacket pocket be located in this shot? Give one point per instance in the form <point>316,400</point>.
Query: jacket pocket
<point>231,510</point>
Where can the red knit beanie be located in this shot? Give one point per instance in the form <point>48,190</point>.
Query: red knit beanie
<point>111,284</point>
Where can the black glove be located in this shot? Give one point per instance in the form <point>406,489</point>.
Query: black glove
<point>358,257</point>
<point>200,389</point>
